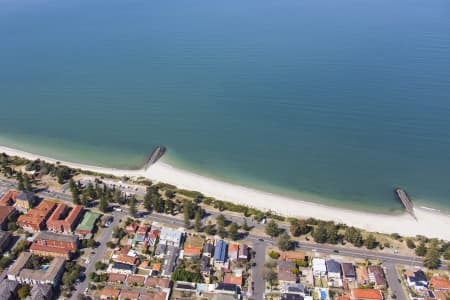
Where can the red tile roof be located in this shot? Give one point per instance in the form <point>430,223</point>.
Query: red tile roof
<point>367,294</point>
<point>5,211</point>
<point>237,280</point>
<point>9,198</point>
<point>233,248</point>
<point>49,249</point>
<point>129,294</point>
<point>192,251</point>
<point>116,277</point>
<point>130,260</point>
<point>110,292</point>
<point>159,282</point>
<point>440,283</point>
<point>135,279</point>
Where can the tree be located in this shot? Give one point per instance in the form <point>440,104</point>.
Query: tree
<point>410,244</point>
<point>332,233</point>
<point>284,242</point>
<point>221,225</point>
<point>24,291</point>
<point>209,230</point>
<point>272,228</point>
<point>432,258</point>
<point>447,253</point>
<point>198,220</point>
<point>132,206</point>
<point>274,254</point>
<point>354,236</point>
<point>370,242</point>
<point>187,208</point>
<point>299,227</point>
<point>103,205</point>
<point>421,250</point>
<point>76,195</point>
<point>245,226</point>
<point>271,276</point>
<point>27,183</point>
<point>20,185</point>
<point>320,233</point>
<point>233,232</point>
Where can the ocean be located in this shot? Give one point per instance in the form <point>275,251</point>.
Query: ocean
<point>337,102</point>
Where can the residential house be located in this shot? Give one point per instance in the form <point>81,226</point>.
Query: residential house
<point>333,269</point>
<point>51,275</point>
<point>366,294</point>
<point>41,292</point>
<point>109,293</point>
<point>116,278</point>
<point>348,271</point>
<point>121,268</point>
<point>126,294</point>
<point>205,268</point>
<point>9,289</point>
<point>376,276</point>
<point>5,240</point>
<point>64,218</point>
<point>131,229</point>
<point>154,295</point>
<point>243,252</point>
<point>9,198</point>
<point>295,289</point>
<point>232,279</point>
<point>417,280</point>
<point>285,274</point>
<point>439,283</point>
<point>208,249</point>
<point>141,233</point>
<point>153,237</point>
<point>87,224</point>
<point>319,267</point>
<point>171,237</point>
<point>170,261</point>
<point>152,282</point>
<point>53,244</point>
<point>5,213</point>
<point>34,220</point>
<point>293,256</point>
<point>220,253</point>
<point>233,250</point>
<point>226,288</point>
<point>135,280</point>
<point>362,275</point>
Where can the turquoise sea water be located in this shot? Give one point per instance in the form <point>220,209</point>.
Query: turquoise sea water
<point>335,101</point>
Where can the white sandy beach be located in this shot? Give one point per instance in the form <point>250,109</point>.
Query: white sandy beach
<point>428,223</point>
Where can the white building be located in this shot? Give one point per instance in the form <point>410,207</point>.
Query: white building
<point>319,267</point>
<point>171,237</point>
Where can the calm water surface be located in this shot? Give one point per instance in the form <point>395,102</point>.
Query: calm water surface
<point>335,101</point>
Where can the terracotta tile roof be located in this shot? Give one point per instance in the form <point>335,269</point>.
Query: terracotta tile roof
<point>135,279</point>
<point>293,255</point>
<point>5,211</point>
<point>153,234</point>
<point>362,274</point>
<point>234,248</point>
<point>36,216</point>
<point>159,282</point>
<point>440,283</point>
<point>9,198</point>
<point>129,294</point>
<point>143,264</point>
<point>116,277</point>
<point>156,267</point>
<point>440,295</point>
<point>192,251</point>
<point>110,292</point>
<point>343,298</point>
<point>131,228</point>
<point>49,249</point>
<point>130,260</point>
<point>367,294</point>
<point>142,229</point>
<point>153,295</point>
<point>228,278</point>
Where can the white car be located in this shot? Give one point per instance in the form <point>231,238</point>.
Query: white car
<point>86,290</point>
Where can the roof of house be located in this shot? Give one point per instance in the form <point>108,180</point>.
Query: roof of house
<point>49,249</point>
<point>285,266</point>
<point>153,234</point>
<point>37,215</point>
<point>230,287</point>
<point>9,197</point>
<point>88,222</point>
<point>287,276</point>
<point>153,295</point>
<point>169,234</point>
<point>418,276</point>
<point>367,294</point>
<point>5,211</point>
<point>289,296</point>
<point>135,279</point>
<point>362,273</point>
<point>233,248</point>
<point>26,196</point>
<point>130,260</point>
<point>293,255</point>
<point>121,266</point>
<point>348,269</point>
<point>129,294</point>
<point>209,248</point>
<point>19,264</point>
<point>440,283</point>
<point>192,251</point>
<point>220,250</point>
<point>51,236</point>
<point>44,275</point>
<point>440,295</point>
<point>41,291</point>
<point>319,264</point>
<point>110,292</point>
<point>333,266</point>
<point>116,277</point>
<point>8,286</point>
<point>4,236</point>
<point>228,278</point>
<point>158,282</point>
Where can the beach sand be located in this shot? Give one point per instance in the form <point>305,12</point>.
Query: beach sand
<point>428,223</point>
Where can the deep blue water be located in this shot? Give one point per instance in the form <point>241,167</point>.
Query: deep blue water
<point>336,101</point>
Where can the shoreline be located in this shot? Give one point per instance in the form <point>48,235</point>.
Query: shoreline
<point>429,223</point>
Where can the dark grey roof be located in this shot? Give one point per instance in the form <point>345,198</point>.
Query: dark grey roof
<point>7,288</point>
<point>333,266</point>
<point>209,248</point>
<point>419,275</point>
<point>122,266</point>
<point>296,288</point>
<point>185,286</point>
<point>26,196</point>
<point>288,296</point>
<point>41,292</point>
<point>4,236</point>
<point>226,287</point>
<point>205,264</point>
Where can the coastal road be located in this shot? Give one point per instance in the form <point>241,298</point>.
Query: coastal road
<point>98,255</point>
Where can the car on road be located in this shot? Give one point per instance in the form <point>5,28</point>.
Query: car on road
<point>336,251</point>
<point>261,240</point>
<point>86,290</point>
